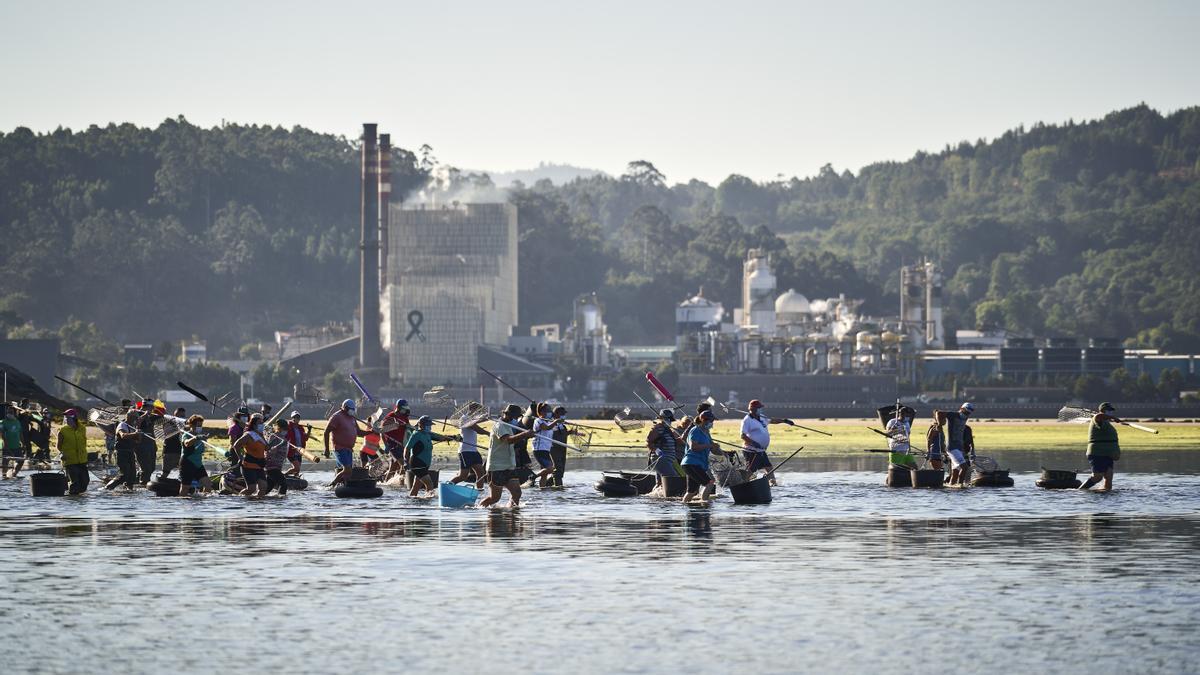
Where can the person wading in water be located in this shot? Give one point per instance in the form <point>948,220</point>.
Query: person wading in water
<point>935,443</point>
<point>127,437</point>
<point>502,458</point>
<point>343,428</point>
<point>543,429</point>
<point>756,438</point>
<point>662,443</point>
<point>418,454</point>
<point>470,462</point>
<point>72,445</point>
<point>1103,448</point>
<point>899,431</point>
<point>695,459</point>
<point>955,421</point>
<point>395,427</point>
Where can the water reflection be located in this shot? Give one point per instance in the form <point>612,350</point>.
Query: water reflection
<point>839,572</point>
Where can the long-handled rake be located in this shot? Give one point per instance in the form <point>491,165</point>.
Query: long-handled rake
<point>624,423</point>
<point>1074,415</point>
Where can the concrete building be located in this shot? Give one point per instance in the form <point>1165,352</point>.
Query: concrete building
<point>451,288</point>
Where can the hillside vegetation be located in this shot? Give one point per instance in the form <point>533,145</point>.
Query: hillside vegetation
<point>1089,229</point>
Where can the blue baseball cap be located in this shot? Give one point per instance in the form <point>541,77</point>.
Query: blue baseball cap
<point>349,404</point>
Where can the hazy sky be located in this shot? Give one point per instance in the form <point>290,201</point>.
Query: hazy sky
<point>702,89</point>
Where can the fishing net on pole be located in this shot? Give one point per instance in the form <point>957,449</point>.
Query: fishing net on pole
<point>106,417</point>
<point>470,414</point>
<point>437,396</point>
<point>166,427</point>
<point>627,424</point>
<point>304,392</point>
<point>378,467</point>
<point>726,473</point>
<point>1075,415</point>
<point>985,464</point>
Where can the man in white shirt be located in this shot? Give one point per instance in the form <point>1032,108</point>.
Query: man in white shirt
<point>898,430</point>
<point>756,438</point>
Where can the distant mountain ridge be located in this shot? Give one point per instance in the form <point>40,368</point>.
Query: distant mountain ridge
<point>559,174</point>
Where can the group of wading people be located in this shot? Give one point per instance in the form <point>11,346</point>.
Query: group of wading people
<point>685,448</point>
<point>950,436</point>
<point>263,457</point>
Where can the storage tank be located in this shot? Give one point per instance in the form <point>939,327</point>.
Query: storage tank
<point>758,293</point>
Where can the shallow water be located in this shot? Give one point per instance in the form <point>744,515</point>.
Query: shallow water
<point>838,573</point>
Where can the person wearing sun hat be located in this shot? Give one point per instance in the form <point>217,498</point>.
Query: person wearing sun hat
<point>1104,448</point>
<point>72,445</point>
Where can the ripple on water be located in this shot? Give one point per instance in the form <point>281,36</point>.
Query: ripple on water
<point>838,573</point>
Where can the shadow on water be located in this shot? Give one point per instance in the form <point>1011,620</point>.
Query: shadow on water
<point>1136,461</point>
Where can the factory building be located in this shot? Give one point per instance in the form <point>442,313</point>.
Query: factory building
<point>587,337</point>
<point>451,288</point>
<point>921,305</point>
<point>787,333</point>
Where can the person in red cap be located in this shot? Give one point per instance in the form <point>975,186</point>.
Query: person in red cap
<point>72,445</point>
<point>756,438</point>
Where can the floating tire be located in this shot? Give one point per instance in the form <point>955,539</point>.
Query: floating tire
<point>928,478</point>
<point>1059,484</point>
<point>1059,475</point>
<point>642,481</point>
<point>757,491</point>
<point>47,484</point>
<point>616,488</point>
<point>164,487</point>
<point>898,477</point>
<point>296,483</point>
<point>358,489</point>
<point>992,479</point>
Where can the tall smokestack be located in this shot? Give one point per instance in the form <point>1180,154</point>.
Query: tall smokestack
<point>385,198</point>
<point>369,350</point>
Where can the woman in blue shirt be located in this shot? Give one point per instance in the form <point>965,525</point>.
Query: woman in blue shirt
<point>695,459</point>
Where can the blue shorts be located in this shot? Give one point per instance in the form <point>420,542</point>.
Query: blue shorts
<point>345,458</point>
<point>756,460</point>
<point>469,458</point>
<point>544,459</point>
<point>664,465</point>
<point>1101,464</point>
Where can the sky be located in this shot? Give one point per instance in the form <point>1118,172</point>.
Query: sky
<point>701,89</point>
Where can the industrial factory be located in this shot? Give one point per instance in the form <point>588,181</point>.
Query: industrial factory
<point>439,288</point>
<point>786,333</point>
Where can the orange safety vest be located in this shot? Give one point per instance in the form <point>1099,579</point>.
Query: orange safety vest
<point>371,443</point>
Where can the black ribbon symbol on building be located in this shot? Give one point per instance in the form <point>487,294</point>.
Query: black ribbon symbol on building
<point>415,319</point>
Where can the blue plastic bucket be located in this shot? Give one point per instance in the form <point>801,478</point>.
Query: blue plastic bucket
<point>454,496</point>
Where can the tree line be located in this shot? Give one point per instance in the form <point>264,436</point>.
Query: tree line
<point>123,233</point>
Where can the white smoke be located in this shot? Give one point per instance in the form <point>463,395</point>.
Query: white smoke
<point>448,185</point>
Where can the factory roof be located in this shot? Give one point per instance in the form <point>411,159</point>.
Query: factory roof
<point>698,300</point>
<point>501,362</point>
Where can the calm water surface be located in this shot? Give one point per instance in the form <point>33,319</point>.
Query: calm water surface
<point>837,574</point>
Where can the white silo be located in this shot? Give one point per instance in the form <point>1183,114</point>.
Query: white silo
<point>758,293</point>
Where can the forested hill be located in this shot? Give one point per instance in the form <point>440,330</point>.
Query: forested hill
<point>1089,229</point>
<point>158,234</point>
<point>228,233</point>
